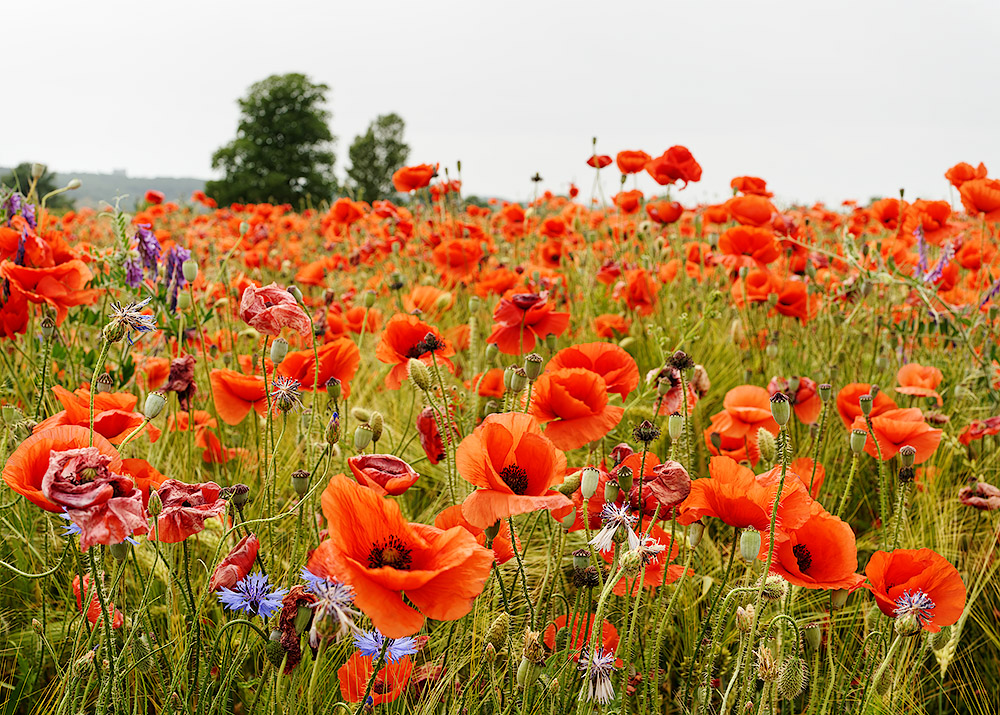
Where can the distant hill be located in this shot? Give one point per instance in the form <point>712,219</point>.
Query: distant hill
<point>105,187</point>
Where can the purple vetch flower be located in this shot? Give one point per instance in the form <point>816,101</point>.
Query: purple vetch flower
<point>17,205</point>
<point>921,250</point>
<point>133,272</point>
<point>149,248</point>
<point>253,595</point>
<point>991,293</point>
<point>173,272</point>
<point>934,275</point>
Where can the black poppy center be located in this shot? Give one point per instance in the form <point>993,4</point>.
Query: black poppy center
<point>417,350</point>
<point>515,478</point>
<point>391,553</point>
<point>380,687</point>
<point>803,556</point>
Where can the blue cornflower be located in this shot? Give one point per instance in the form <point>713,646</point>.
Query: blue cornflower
<point>132,319</point>
<point>334,603</point>
<point>253,595</point>
<point>917,604</point>
<point>597,671</point>
<point>71,528</point>
<point>370,643</point>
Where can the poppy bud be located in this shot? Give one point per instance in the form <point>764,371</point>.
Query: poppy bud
<point>781,408</point>
<point>377,424</point>
<point>183,301</point>
<point>369,298</point>
<point>646,432</point>
<point>508,374</point>
<point>155,505</point>
<point>105,383</point>
<point>37,170</point>
<point>824,391</point>
<point>775,588</point>
<point>716,440</point>
<point>610,492</point>
<point>744,618</point>
<point>533,366</point>
<point>767,445</point>
<point>675,426</point>
<point>589,480</point>
<point>303,619</point>
<point>581,559</point>
<point>940,639</point>
<point>361,414</point>
<point>279,349</point>
<point>47,327</point>
<point>527,673</point>
<point>496,636</point>
<point>570,484</point>
<point>518,379</point>
<point>771,350</point>
<point>883,684</point>
<point>333,429</point>
<point>443,301</point>
<point>838,598</point>
<point>551,341</point>
<point>907,454</point>
<point>300,482</point>
<point>274,651</point>
<point>625,479</point>
<point>362,437</point>
<point>244,228</point>
<point>793,677</point>
<point>155,402</point>
<point>491,351</point>
<point>474,303</point>
<point>120,551</point>
<point>74,184</point>
<point>865,403</point>
<point>695,531</point>
<point>744,271</point>
<point>333,388</point>
<point>749,545</point>
<point>419,374</point>
<point>858,439</point>
<point>491,407</point>
<point>813,636</point>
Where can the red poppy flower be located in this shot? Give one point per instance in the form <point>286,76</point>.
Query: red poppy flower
<point>979,429</point>
<point>573,404</point>
<point>664,212</point>
<point>236,394</point>
<point>430,435</point>
<point>819,554</point>
<point>640,291</point>
<point>372,548</point>
<point>271,308</point>
<point>628,201</point>
<point>919,380</point>
<point>237,564</point>
<point>383,473</point>
<point>750,185</point>
<point>94,614</point>
<point>411,178</point>
<point>61,286</point>
<point>610,325</point>
<point>389,684</point>
<point>803,468</point>
<point>676,164</point>
<point>580,631</point>
<point>513,465</point>
<point>632,162</point>
<point>916,582</point>
<point>747,410</point>
<point>503,551</point>
<point>850,409</point>
<point>405,337</point>
<point>614,364</point>
<point>755,211</point>
<point>599,162</point>
<point>488,384</point>
<point>338,358</point>
<point>962,172</point>
<point>747,246</point>
<point>522,318</point>
<point>898,428</point>
<point>345,212</point>
<point>981,196</point>
<point>154,197</point>
<point>185,509</point>
<point>806,401</point>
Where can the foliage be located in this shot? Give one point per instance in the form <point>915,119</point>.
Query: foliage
<point>20,178</point>
<point>374,156</point>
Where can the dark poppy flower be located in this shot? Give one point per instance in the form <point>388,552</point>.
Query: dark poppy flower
<point>181,380</point>
<point>599,161</point>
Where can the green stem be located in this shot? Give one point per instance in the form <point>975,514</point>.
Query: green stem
<point>93,384</point>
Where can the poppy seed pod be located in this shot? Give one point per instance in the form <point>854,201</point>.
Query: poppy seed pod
<point>825,390</point>
<point>567,521</point>
<point>695,531</point>
<point>47,327</point>
<point>279,349</point>
<point>419,374</point>
<point>781,408</point>
<point>533,366</point>
<point>155,402</point>
<point>813,636</point>
<point>190,270</point>
<point>581,559</point>
<point>300,482</point>
<point>646,432</point>
<point>508,375</point>
<point>589,480</point>
<point>518,379</point>
<point>865,403</point>
<point>492,530</point>
<point>240,495</point>
<point>907,454</point>
<point>183,301</point>
<point>334,388</point>
<point>838,598</point>
<point>296,293</point>
<point>771,350</point>
<point>105,383</point>
<point>749,545</point>
<point>675,426</point>
<point>369,298</point>
<point>858,439</point>
<point>551,341</point>
<point>362,437</point>
<point>625,479</point>
<point>611,492</point>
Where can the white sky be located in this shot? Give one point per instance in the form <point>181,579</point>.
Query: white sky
<point>827,101</point>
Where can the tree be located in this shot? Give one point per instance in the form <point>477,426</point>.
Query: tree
<point>375,155</point>
<point>283,151</point>
<point>20,178</point>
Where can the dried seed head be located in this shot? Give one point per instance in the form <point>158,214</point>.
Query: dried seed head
<point>767,666</point>
<point>646,432</point>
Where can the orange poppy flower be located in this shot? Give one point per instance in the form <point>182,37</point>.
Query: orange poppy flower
<point>428,299</point>
<point>411,178</point>
<point>751,210</point>
<point>405,337</point>
<point>614,364</point>
<point>144,476</point>
<point>747,409</point>
<point>982,196</point>
<point>513,465</point>
<point>156,371</point>
<point>458,258</point>
<point>489,384</point>
<point>580,631</point>
<point>521,319</point>
<point>919,380</point>
<point>338,358</point>
<point>850,410</point>
<point>806,401</point>
<point>819,554</point>
<point>503,551</point>
<point>628,201</point>
<point>60,286</point>
<point>632,162</point>
<point>372,548</point>
<point>26,467</point>
<point>733,494</point>
<point>898,428</point>
<point>389,684</point>
<point>962,172</point>
<point>640,291</point>
<point>675,164</point>
<point>114,417</point>
<point>573,404</point>
<point>610,325</point>
<point>916,582</point>
<point>664,212</point>
<point>802,467</point>
<point>236,394</point>
<point>747,246</point>
<point>383,473</point>
<point>750,185</point>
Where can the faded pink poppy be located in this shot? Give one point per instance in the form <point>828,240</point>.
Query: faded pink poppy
<point>271,308</point>
<point>383,473</point>
<point>185,508</point>
<point>980,495</point>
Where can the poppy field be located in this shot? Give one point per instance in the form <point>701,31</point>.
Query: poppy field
<point>571,455</point>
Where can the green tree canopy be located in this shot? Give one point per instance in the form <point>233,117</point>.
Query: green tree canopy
<point>375,155</point>
<point>283,151</point>
<point>20,178</point>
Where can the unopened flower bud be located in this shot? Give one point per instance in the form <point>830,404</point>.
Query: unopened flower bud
<point>183,300</point>
<point>296,293</point>
<point>631,563</point>
<point>155,505</point>
<point>771,350</point>
<point>496,636</point>
<point>155,402</point>
<point>940,639</point>
<point>838,598</point>
<point>279,349</point>
<point>333,429</point>
<point>369,298</point>
<point>781,408</point>
<point>551,341</point>
<point>767,445</point>
<point>190,270</point>
<point>491,352</point>
<point>244,228</point>
<point>419,374</point>
<point>767,666</point>
<point>775,588</point>
<point>793,677</point>
<point>567,521</point>
<point>300,482</point>
<point>744,618</point>
<point>749,545</point>
<point>858,439</point>
<point>37,170</point>
<point>362,437</point>
<point>533,366</point>
<point>527,673</point>
<point>716,439</point>
<point>695,531</point>
<point>377,423</point>
<point>589,481</point>
<point>492,530</point>
<point>360,414</point>
<point>74,184</point>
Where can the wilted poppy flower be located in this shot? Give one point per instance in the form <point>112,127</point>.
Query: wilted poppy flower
<point>338,358</point>
<point>502,548</point>
<point>675,164</point>
<point>573,404</point>
<point>580,631</point>
<point>237,564</point>
<point>614,364</point>
<point>918,583</point>
<point>979,429</point>
<point>389,684</point>
<point>185,509</point>
<point>290,640</point>
<point>898,428</point>
<point>733,494</point>
<point>271,308</point>
<point>383,473</point>
<point>406,337</point>
<point>522,318</point>
<point>513,465</point>
<point>430,435</point>
<point>236,394</point>
<point>669,484</point>
<point>819,554</point>
<point>411,178</point>
<point>93,612</point>
<point>372,548</point>
<point>180,379</point>
<point>919,380</point>
<point>850,409</point>
<point>26,467</point>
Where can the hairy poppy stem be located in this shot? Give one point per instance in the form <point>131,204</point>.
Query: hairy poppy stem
<point>376,665</point>
<point>847,488</point>
<point>521,571</point>
<point>883,498</point>
<point>98,366</point>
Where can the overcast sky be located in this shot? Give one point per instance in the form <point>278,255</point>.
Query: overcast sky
<point>826,101</point>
